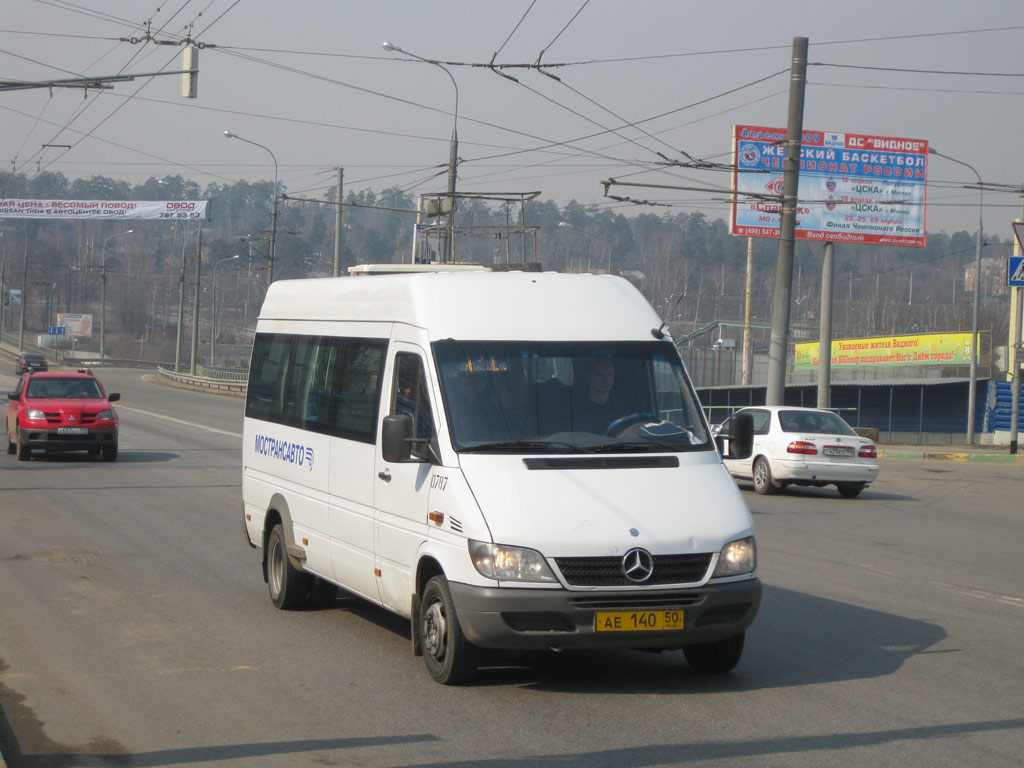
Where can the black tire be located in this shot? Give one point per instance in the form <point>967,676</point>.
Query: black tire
<point>850,490</point>
<point>110,453</point>
<point>450,657</point>
<point>12,447</point>
<point>762,474</point>
<point>288,586</point>
<point>715,658</point>
<point>24,452</point>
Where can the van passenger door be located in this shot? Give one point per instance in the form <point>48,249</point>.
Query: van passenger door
<point>403,489</point>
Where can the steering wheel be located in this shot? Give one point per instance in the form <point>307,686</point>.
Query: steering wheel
<point>619,426</point>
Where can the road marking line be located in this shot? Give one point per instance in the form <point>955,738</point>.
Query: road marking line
<point>178,421</point>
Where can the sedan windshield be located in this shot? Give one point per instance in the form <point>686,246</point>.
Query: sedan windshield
<point>568,397</point>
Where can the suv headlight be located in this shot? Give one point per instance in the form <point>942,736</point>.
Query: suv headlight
<point>34,413</point>
<point>509,563</point>
<point>738,557</point>
<point>107,415</point>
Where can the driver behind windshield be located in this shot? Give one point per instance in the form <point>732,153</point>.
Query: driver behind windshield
<point>594,408</point>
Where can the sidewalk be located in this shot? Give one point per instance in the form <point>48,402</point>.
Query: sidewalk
<point>994,454</point>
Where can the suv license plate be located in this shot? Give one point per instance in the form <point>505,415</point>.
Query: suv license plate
<point>638,621</point>
<point>72,430</point>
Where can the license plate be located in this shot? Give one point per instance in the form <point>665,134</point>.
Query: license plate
<point>837,450</point>
<point>72,430</point>
<point>638,621</point>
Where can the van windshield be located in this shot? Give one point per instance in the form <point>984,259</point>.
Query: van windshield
<point>568,397</point>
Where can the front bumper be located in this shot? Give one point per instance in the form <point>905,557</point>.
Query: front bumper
<point>49,440</point>
<point>537,619</point>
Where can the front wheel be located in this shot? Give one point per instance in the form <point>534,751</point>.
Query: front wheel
<point>763,476</point>
<point>24,451</point>
<point>715,658</point>
<point>12,447</point>
<point>110,453</point>
<point>288,586</point>
<point>449,656</point>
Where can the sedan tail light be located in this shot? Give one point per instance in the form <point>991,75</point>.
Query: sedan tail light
<point>802,447</point>
<point>868,452</point>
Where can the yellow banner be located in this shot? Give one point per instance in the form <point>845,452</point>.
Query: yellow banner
<point>889,351</point>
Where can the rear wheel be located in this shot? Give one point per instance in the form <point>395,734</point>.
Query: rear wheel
<point>715,658</point>
<point>449,656</point>
<point>850,490</point>
<point>288,586</point>
<point>763,476</point>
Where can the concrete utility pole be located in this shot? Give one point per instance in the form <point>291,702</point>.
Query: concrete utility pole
<point>776,390</point>
<point>825,336</point>
<point>195,307</point>
<point>337,225</point>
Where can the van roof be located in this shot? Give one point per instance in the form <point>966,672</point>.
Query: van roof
<point>542,306</point>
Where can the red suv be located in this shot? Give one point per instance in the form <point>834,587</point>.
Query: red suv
<point>55,411</point>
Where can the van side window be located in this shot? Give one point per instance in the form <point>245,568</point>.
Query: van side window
<point>265,394</point>
<point>410,396</point>
<point>318,383</point>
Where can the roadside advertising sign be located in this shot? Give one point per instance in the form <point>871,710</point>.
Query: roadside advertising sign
<point>889,351</point>
<point>155,210</point>
<point>853,188</point>
<point>13,298</point>
<point>77,325</point>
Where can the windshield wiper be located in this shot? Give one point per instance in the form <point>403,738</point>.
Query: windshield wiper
<point>645,446</point>
<point>545,446</point>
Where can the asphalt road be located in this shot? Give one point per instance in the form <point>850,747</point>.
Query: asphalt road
<point>135,630</point>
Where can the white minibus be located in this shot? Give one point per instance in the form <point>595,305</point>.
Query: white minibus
<point>511,460</point>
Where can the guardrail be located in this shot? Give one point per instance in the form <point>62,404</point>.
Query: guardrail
<point>205,382</point>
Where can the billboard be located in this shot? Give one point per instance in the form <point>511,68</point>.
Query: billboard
<point>13,298</point>
<point>853,188</point>
<point>154,210</point>
<point>77,325</point>
<point>889,351</point>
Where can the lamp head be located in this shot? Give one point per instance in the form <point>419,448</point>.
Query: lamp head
<point>229,135</point>
<point>388,46</point>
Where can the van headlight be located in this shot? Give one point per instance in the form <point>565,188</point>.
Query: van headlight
<point>509,563</point>
<point>738,557</point>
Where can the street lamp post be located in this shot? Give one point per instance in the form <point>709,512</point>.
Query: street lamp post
<point>273,204</point>
<point>103,293</point>
<point>972,394</point>
<point>453,147</point>
<point>213,310</point>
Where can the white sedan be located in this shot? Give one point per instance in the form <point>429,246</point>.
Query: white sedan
<point>805,446</point>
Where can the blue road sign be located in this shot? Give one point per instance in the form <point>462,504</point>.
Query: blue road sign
<point>1015,273</point>
<point>58,330</point>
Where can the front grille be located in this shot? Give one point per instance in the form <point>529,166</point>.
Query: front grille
<point>607,571</point>
<point>57,417</point>
<point>657,601</point>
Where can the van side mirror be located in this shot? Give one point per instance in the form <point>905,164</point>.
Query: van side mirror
<point>739,431</point>
<point>396,437</point>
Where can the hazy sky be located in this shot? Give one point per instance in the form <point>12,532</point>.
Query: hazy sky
<point>637,80</point>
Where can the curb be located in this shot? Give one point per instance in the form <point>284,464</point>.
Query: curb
<point>994,458</point>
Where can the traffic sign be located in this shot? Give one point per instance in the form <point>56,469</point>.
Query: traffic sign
<point>1015,273</point>
<point>58,330</point>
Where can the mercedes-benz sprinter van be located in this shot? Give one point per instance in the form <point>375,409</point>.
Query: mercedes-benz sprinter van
<point>512,460</point>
